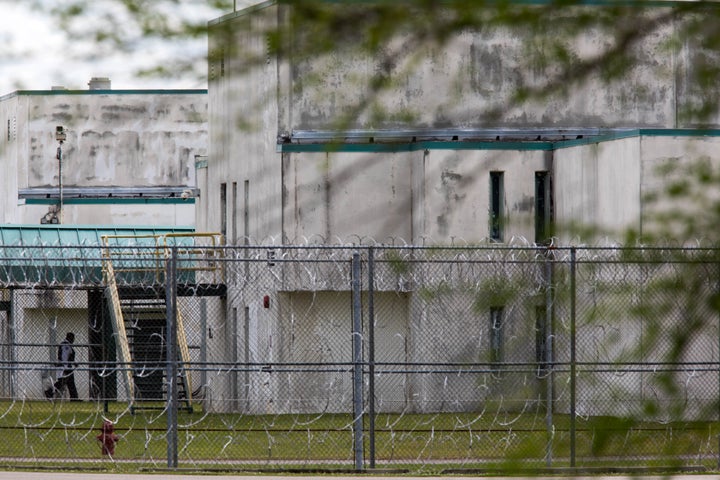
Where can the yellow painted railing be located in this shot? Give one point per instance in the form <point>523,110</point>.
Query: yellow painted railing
<point>121,339</point>
<point>143,254</point>
<point>184,356</point>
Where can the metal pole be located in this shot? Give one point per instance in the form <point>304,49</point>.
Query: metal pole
<point>246,356</point>
<point>573,358</point>
<point>203,342</point>
<point>371,354</point>
<point>171,358</point>
<point>234,336</point>
<point>12,331</point>
<point>60,182</point>
<point>357,362</point>
<point>550,378</point>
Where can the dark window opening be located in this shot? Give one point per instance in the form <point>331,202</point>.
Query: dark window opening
<point>246,212</point>
<point>233,214</point>
<point>223,209</point>
<point>496,206</point>
<point>543,208</point>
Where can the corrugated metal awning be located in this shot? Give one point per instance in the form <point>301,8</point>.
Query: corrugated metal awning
<point>75,235</point>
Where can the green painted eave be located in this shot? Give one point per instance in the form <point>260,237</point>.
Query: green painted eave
<point>58,92</point>
<point>508,145</point>
<point>12,235</point>
<point>259,5</point>
<point>640,132</point>
<point>111,201</point>
<point>62,256</point>
<point>411,146</point>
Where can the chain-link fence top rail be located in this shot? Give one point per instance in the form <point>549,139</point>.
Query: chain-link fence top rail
<point>469,355</point>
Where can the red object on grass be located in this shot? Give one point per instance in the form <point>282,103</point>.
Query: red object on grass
<point>107,438</point>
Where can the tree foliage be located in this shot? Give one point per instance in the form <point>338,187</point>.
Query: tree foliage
<point>166,31</point>
<point>553,32</point>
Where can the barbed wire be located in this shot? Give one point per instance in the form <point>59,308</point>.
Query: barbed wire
<point>471,347</point>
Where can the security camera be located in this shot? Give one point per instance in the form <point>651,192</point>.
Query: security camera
<point>60,134</point>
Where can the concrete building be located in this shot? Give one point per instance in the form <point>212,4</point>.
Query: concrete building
<point>298,155</point>
<point>86,163</point>
<point>453,157</point>
<point>101,156</point>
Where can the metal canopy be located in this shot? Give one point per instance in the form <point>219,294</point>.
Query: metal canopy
<point>109,192</point>
<point>74,235</point>
<point>58,256</point>
<point>486,134</point>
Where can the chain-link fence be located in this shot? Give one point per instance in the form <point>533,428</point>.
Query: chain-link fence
<point>359,357</point>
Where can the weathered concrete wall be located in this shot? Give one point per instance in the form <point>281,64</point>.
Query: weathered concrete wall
<point>305,327</point>
<point>606,190</point>
<point>327,196</point>
<point>244,132</point>
<point>110,213</point>
<point>471,81</point>
<point>338,197</point>
<point>455,204</point>
<point>11,140</point>
<point>597,190</point>
<point>430,196</point>
<point>688,166</point>
<point>438,194</point>
<point>40,321</point>
<point>114,139</point>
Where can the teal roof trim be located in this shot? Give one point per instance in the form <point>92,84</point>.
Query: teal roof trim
<point>72,256</point>
<point>334,147</point>
<point>242,12</point>
<point>640,132</point>
<point>504,3</point>
<point>111,201</point>
<point>19,93</point>
<point>680,132</point>
<point>595,139</point>
<point>75,235</point>
<point>410,147</point>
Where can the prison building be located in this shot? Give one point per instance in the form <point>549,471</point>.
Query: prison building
<point>101,156</point>
<point>304,152</point>
<point>110,286</point>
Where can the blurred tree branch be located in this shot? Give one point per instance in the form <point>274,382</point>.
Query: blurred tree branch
<point>552,29</point>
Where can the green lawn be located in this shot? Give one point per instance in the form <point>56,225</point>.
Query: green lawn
<point>45,432</point>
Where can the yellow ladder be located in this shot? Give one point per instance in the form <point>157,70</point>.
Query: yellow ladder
<point>154,262</point>
<point>121,340</point>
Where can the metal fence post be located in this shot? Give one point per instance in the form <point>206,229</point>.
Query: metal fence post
<point>12,334</point>
<point>550,352</point>
<point>357,362</point>
<point>573,358</point>
<point>371,355</point>
<point>171,358</point>
<point>203,341</point>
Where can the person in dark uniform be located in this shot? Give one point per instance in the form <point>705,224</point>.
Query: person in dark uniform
<point>66,361</point>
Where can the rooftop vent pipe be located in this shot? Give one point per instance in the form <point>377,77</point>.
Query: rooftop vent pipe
<point>99,83</point>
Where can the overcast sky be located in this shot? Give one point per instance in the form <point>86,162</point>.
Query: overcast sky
<point>36,56</point>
